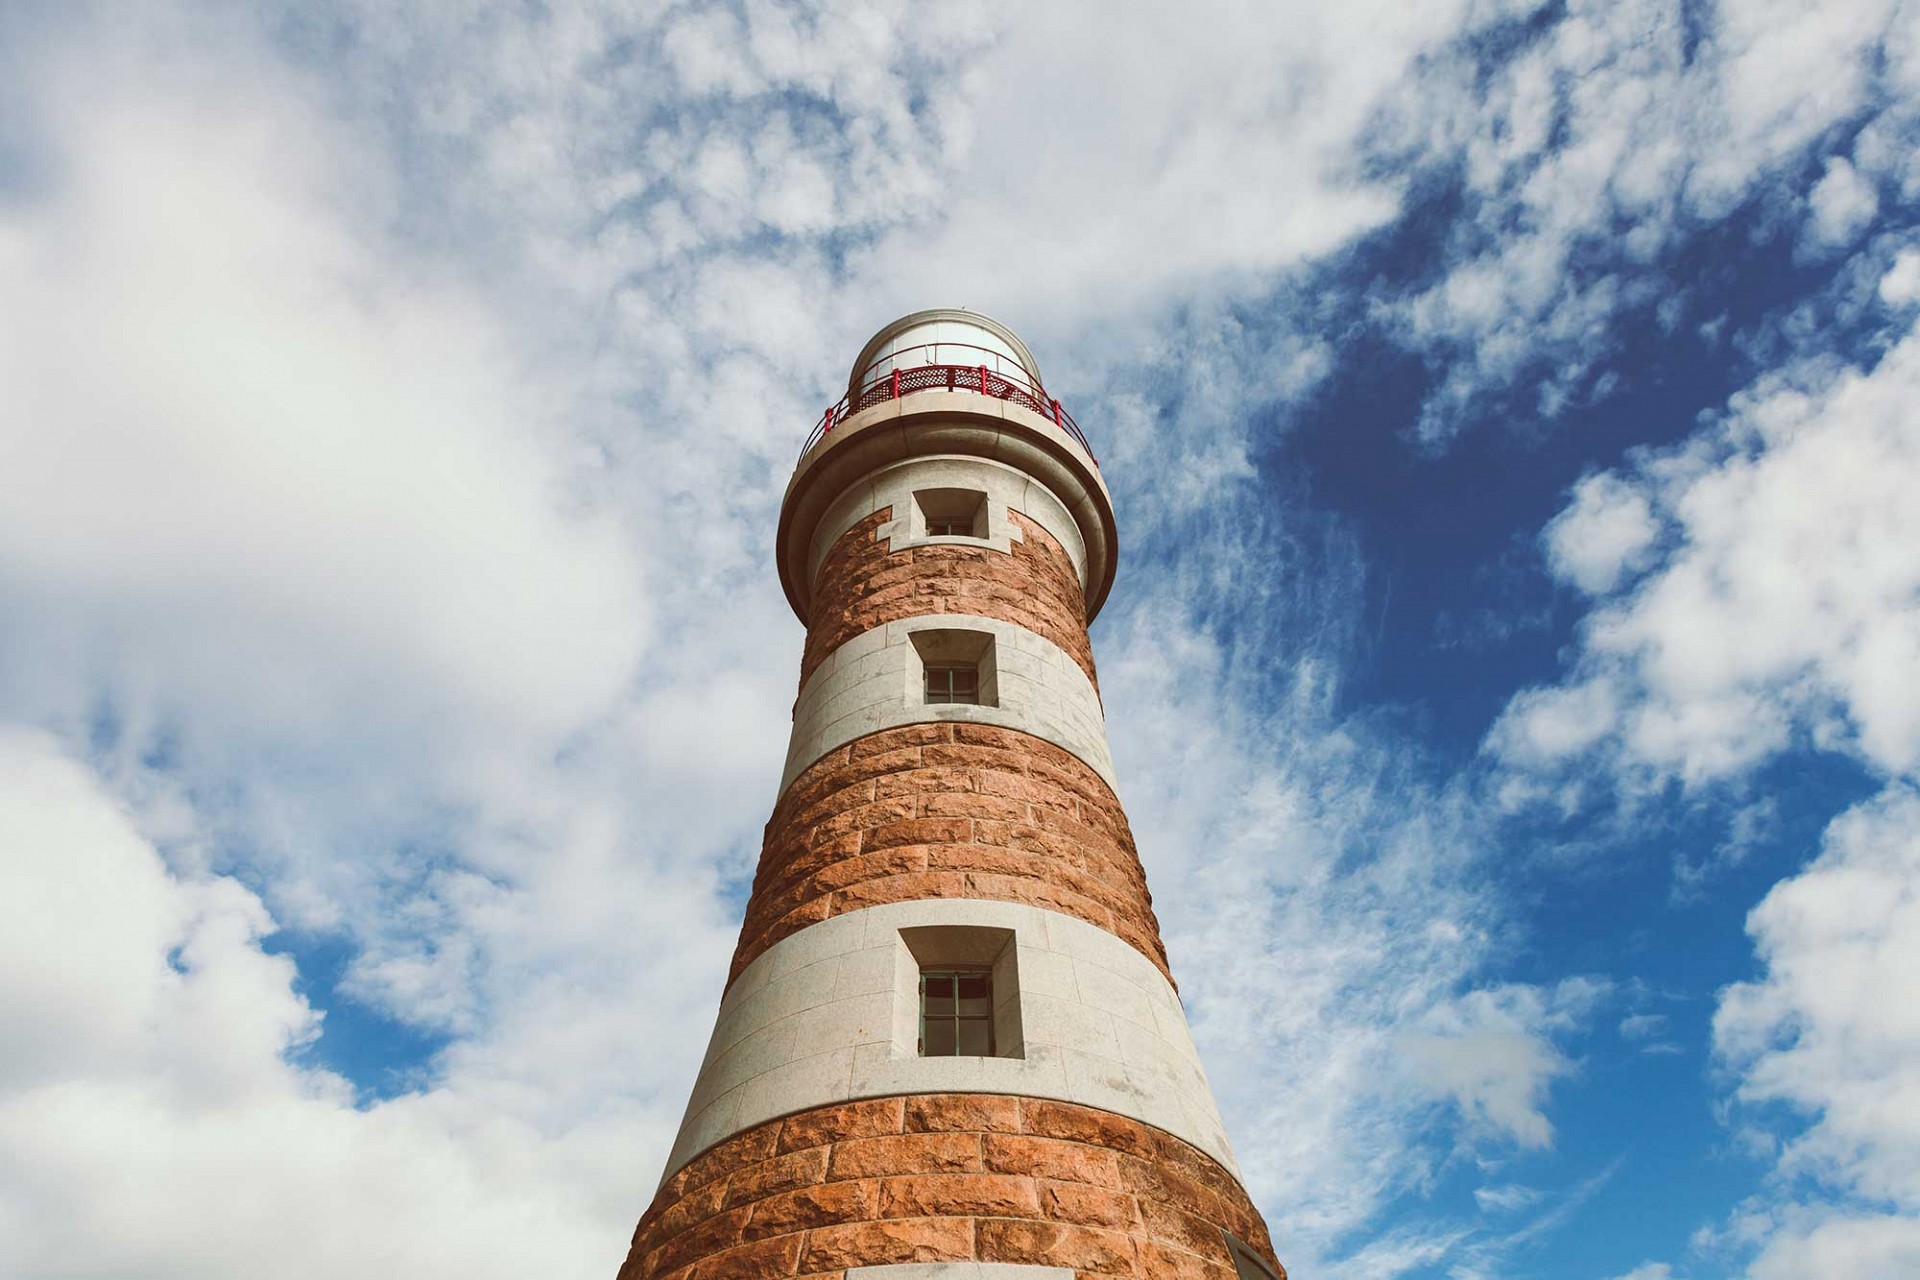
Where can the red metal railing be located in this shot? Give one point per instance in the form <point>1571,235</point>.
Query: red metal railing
<point>933,376</point>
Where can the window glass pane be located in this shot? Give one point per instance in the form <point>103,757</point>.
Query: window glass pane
<point>976,1037</point>
<point>975,995</point>
<point>953,684</point>
<point>939,988</point>
<point>939,1042</point>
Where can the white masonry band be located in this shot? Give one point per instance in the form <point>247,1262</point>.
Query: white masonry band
<point>830,1015</point>
<point>873,682</point>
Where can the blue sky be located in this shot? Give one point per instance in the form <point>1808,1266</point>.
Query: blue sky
<point>1511,672</point>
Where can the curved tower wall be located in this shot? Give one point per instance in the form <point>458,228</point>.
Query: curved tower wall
<point>915,841</point>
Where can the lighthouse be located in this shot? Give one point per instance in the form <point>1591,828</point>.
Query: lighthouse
<point>950,1046</point>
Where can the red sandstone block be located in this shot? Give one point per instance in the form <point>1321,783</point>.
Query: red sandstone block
<point>869,1244</point>
<point>758,1260</point>
<point>866,817</point>
<point>995,808</point>
<point>835,794</point>
<point>916,887</point>
<point>1048,1158</point>
<point>1056,1244</point>
<point>754,1145</point>
<point>959,1194</point>
<point>1027,789</point>
<point>926,781</point>
<point>695,1207</point>
<point>718,1233</point>
<point>808,1207</point>
<point>1153,1180</point>
<point>782,1173</point>
<point>1039,893</point>
<point>1159,1261</point>
<point>878,763</point>
<point>954,1112</point>
<point>869,866</point>
<point>908,1153</point>
<point>1088,1206</point>
<point>836,1124</point>
<point>983,857</point>
<point>1179,1225</point>
<point>912,735</point>
<point>964,755</point>
<point>992,735</point>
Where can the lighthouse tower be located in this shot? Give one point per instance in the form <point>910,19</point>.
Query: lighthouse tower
<point>950,1047</point>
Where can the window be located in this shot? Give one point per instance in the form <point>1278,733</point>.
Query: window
<point>957,994</point>
<point>957,668</point>
<point>956,1013</point>
<point>1247,1265</point>
<point>952,513</point>
<point>953,684</point>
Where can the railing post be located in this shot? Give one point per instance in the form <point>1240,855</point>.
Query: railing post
<point>983,380</point>
<point>949,377</point>
<point>896,382</point>
<point>1056,413</point>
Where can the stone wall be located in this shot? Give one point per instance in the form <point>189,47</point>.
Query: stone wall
<point>946,1177</point>
<point>863,585</point>
<point>948,811</point>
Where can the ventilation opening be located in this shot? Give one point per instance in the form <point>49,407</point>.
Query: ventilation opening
<point>956,668</point>
<point>960,992</point>
<point>952,513</point>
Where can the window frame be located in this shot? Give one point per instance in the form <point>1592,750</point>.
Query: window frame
<point>950,694</point>
<point>954,973</point>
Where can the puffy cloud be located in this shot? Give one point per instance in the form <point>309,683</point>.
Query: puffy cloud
<point>1786,607</point>
<point>1606,534</point>
<point>147,1079</point>
<point>1842,203</point>
<point>1865,1248</point>
<point>1832,1028</point>
<point>1491,1053</point>
<point>1901,284</point>
<point>1830,1031</point>
<point>258,465</point>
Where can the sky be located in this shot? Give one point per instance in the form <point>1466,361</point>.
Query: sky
<point>1513,671</point>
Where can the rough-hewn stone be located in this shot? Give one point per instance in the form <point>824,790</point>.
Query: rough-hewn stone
<point>946,1177</point>
<point>948,810</point>
<point>863,585</point>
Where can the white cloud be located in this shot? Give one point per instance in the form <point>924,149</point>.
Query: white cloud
<point>258,466</point>
<point>1842,204</point>
<point>1611,136</point>
<point>1643,1026</point>
<point>145,1082</point>
<point>1870,1248</point>
<point>1832,1027</point>
<point>1649,1271</point>
<point>1787,607</point>
<point>1607,533</point>
<point>1491,1054</point>
<point>1506,1198</point>
<point>1901,284</point>
<point>1820,1049</point>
